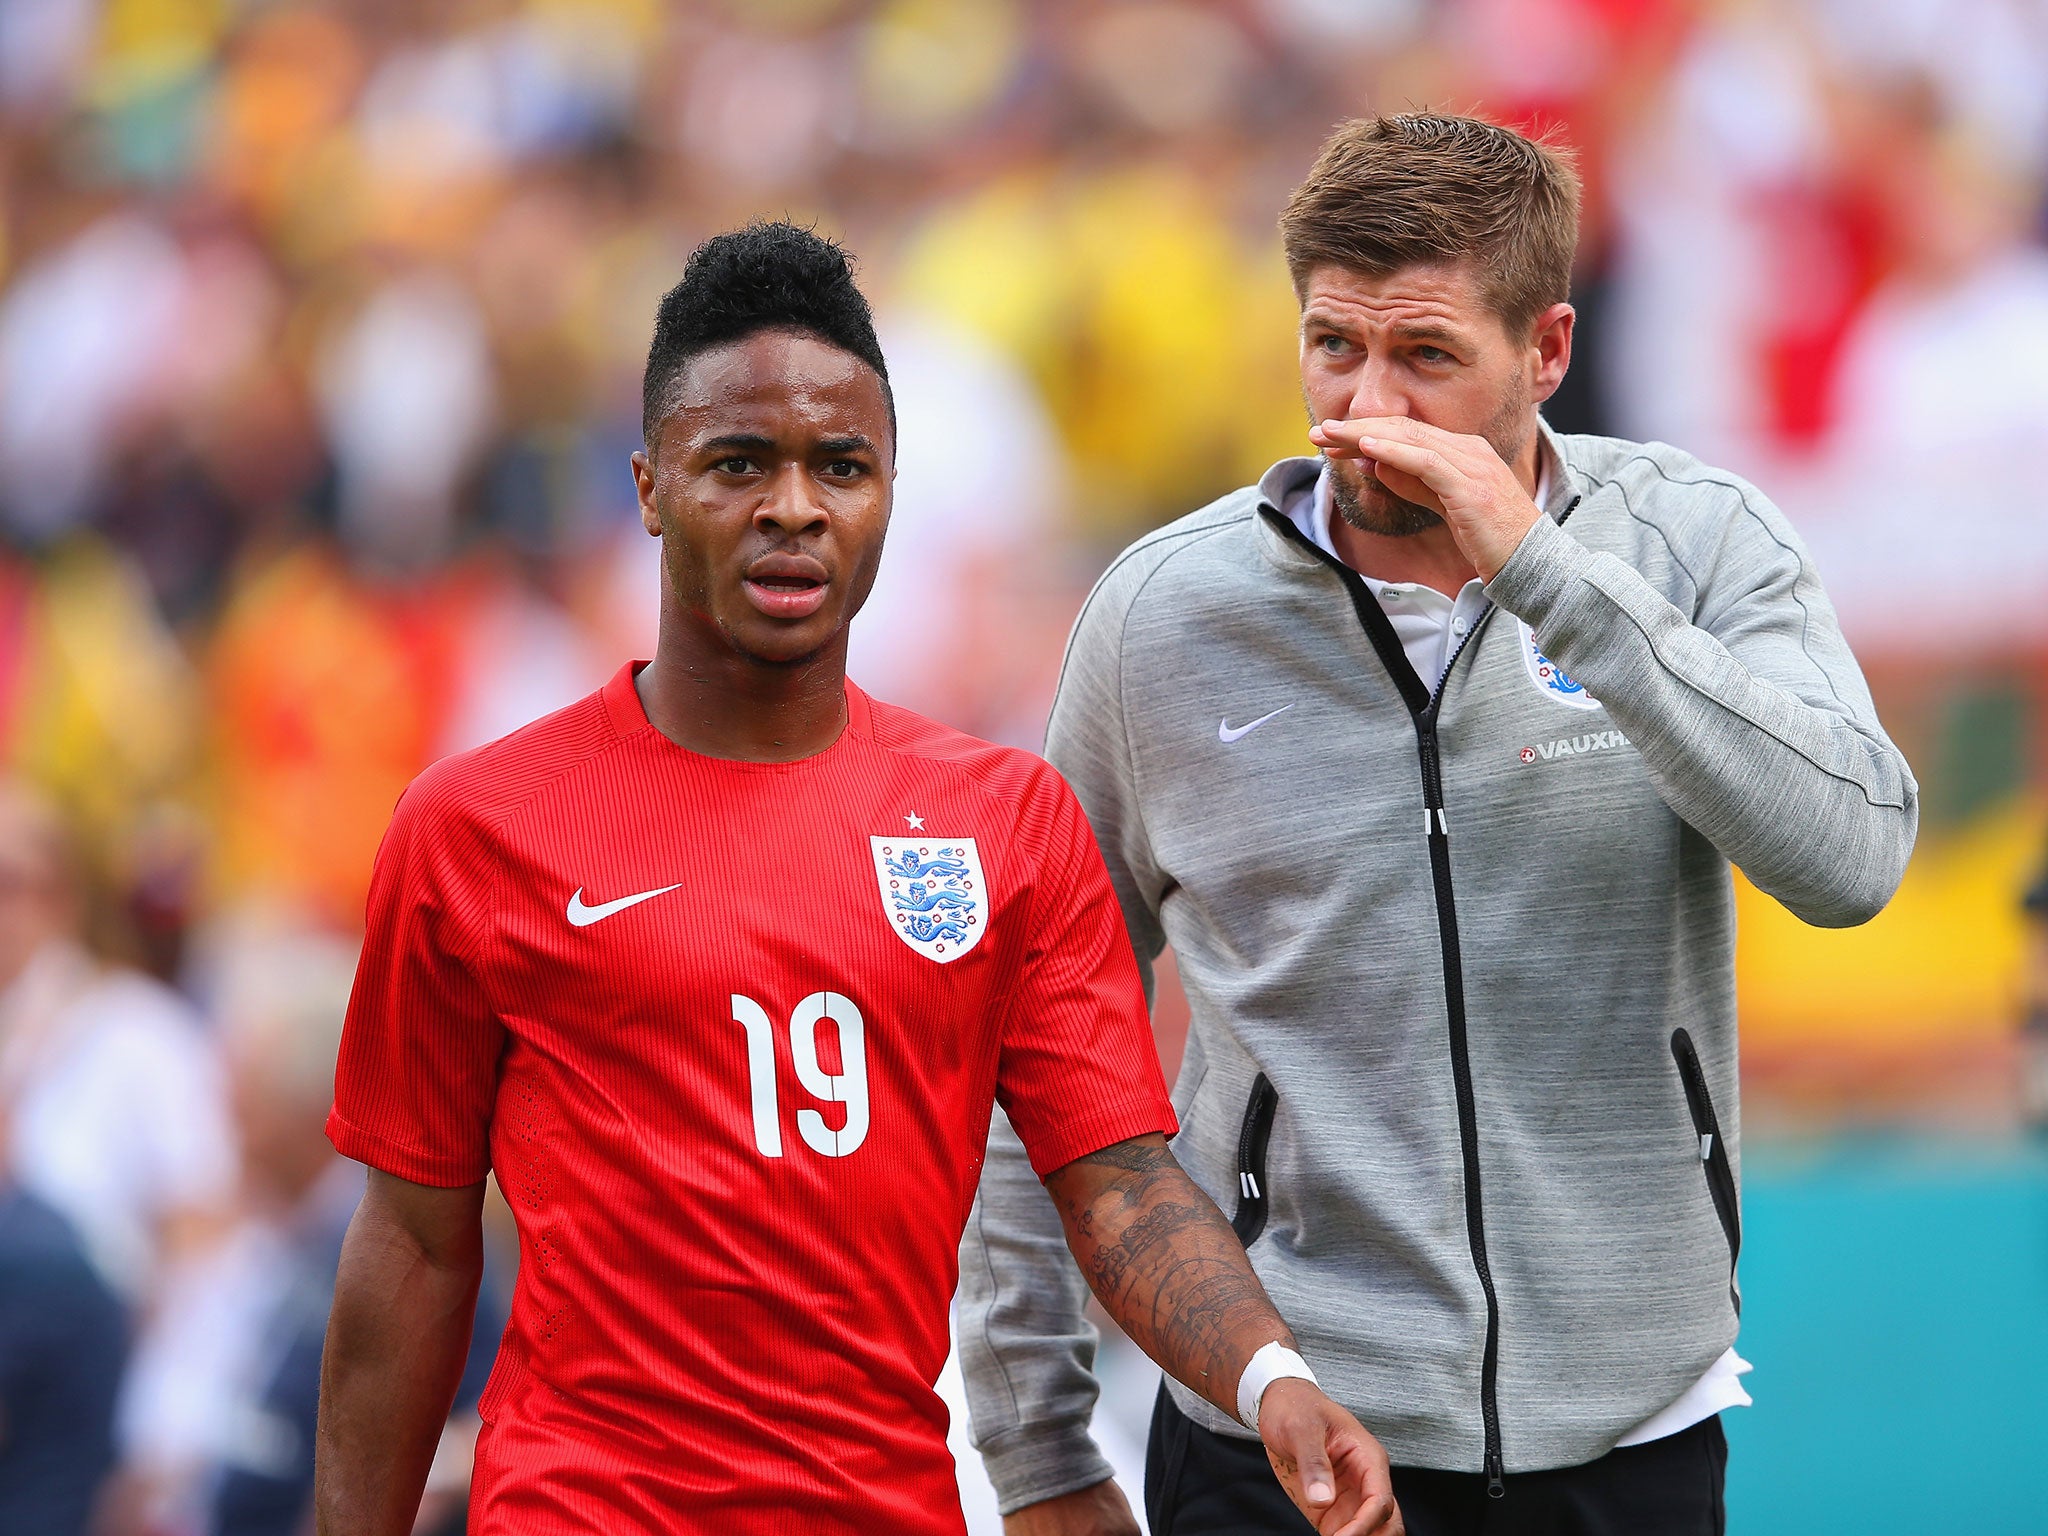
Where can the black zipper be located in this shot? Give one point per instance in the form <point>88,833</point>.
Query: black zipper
<point>1461,1060</point>
<point>1252,1137</point>
<point>1423,704</point>
<point>1720,1171</point>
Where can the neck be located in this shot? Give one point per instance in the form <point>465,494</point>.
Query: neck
<point>1430,558</point>
<point>710,699</point>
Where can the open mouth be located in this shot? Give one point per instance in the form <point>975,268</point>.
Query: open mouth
<point>785,587</point>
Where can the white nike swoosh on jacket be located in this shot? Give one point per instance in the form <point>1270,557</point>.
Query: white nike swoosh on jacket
<point>1225,732</point>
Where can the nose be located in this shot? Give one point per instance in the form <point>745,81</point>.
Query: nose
<point>792,506</point>
<point>1376,390</point>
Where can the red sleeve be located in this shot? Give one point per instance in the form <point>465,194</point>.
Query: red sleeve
<point>1079,1071</point>
<point>418,1070</point>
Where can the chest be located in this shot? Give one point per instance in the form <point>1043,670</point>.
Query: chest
<point>721,955</point>
<point>1326,794</point>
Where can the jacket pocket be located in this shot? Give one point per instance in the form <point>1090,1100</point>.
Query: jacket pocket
<point>1252,1137</point>
<point>1713,1149</point>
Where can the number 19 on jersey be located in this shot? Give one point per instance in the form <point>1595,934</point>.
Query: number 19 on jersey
<point>847,1086</point>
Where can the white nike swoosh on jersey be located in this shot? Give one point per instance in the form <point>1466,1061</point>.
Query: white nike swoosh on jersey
<point>582,916</point>
<point>1226,733</point>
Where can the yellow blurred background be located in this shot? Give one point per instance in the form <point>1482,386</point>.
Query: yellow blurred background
<point>321,326</point>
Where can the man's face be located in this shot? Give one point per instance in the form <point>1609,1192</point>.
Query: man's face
<point>770,487</point>
<point>1420,342</point>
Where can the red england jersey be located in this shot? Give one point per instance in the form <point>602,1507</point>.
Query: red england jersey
<point>729,1033</point>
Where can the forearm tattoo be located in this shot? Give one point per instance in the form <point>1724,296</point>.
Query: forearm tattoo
<point>1165,1264</point>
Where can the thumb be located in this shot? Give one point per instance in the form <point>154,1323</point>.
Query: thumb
<point>1318,1482</point>
<point>1297,1443</point>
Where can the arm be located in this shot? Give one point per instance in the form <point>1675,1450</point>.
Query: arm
<point>1027,1349</point>
<point>1164,1262</point>
<point>404,1301</point>
<point>1750,713</point>
<point>1754,724</point>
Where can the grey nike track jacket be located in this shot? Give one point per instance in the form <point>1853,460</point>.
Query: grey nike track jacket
<point>1462,1060</point>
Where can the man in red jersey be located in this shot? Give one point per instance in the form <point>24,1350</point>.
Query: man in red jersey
<point>721,970</point>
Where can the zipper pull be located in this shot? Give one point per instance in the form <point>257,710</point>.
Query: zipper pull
<point>1495,1487</point>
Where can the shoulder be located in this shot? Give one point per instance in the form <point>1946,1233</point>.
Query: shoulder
<point>478,790</point>
<point>1671,494</point>
<point>1018,790</point>
<point>1655,474</point>
<point>1177,557</point>
<point>992,770</point>
<point>1166,581</point>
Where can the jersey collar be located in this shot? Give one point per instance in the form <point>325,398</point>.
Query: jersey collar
<point>623,708</point>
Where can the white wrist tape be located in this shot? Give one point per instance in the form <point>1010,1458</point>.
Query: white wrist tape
<point>1273,1362</point>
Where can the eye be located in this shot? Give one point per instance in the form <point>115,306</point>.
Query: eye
<point>1434,355</point>
<point>733,466</point>
<point>845,469</point>
<point>1333,344</point>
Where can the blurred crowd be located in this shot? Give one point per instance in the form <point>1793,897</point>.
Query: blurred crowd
<point>321,327</point>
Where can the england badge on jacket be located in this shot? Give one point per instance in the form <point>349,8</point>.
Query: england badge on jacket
<point>1551,679</point>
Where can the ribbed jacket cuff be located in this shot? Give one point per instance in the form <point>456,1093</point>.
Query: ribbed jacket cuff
<point>1042,1462</point>
<point>1539,573</point>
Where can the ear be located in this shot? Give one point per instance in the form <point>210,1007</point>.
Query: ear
<point>643,485</point>
<point>1551,346</point>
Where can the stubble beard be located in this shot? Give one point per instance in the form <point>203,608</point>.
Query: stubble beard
<point>1370,507</point>
<point>1367,505</point>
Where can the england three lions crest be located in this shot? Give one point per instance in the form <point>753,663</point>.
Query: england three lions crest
<point>1551,680</point>
<point>933,893</point>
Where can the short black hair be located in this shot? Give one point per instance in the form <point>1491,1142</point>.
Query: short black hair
<point>769,276</point>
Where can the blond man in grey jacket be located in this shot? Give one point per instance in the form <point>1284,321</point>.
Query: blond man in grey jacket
<point>1430,757</point>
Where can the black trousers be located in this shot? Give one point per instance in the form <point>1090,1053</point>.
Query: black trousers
<point>1198,1483</point>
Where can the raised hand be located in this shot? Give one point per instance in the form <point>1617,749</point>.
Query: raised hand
<point>1459,477</point>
